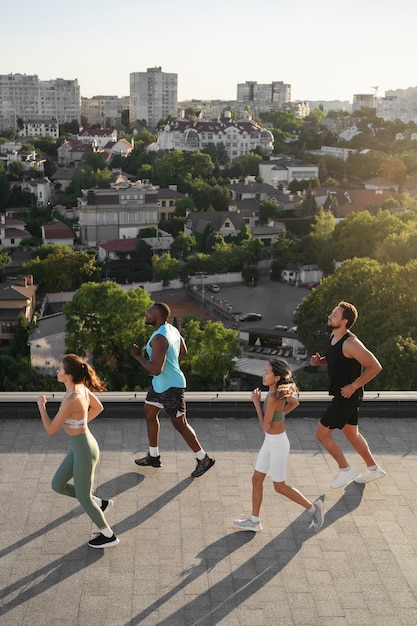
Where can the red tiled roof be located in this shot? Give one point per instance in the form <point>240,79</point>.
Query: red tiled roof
<point>58,230</point>
<point>120,245</point>
<point>364,199</point>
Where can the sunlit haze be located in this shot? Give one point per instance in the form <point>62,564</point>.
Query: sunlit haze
<point>324,50</point>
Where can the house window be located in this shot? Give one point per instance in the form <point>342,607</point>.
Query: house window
<point>227,224</point>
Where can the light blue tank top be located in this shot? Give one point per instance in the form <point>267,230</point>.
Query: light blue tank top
<point>171,375</point>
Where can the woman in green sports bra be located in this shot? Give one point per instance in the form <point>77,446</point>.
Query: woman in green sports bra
<point>78,407</point>
<point>273,455</point>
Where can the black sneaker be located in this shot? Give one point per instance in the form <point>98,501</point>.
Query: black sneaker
<point>103,542</point>
<point>150,461</point>
<point>106,504</point>
<point>202,466</point>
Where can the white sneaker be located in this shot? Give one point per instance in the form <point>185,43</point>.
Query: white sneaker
<point>245,523</point>
<point>369,475</point>
<point>344,477</point>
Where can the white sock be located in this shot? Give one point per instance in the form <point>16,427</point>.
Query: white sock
<point>254,519</point>
<point>200,455</point>
<point>313,509</point>
<point>98,501</point>
<point>107,532</point>
<point>372,468</point>
<point>154,451</point>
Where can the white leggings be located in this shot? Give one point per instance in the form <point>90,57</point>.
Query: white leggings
<point>273,456</point>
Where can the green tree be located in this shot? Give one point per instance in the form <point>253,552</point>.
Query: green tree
<point>268,210</point>
<point>105,320</point>
<point>321,235</point>
<point>5,258</point>
<point>183,245</point>
<point>5,192</point>
<point>165,268</point>
<point>211,350</point>
<point>245,165</point>
<point>61,269</point>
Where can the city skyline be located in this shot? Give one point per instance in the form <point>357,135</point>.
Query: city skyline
<point>323,53</point>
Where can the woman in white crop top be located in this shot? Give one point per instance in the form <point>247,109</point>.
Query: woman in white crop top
<point>78,407</point>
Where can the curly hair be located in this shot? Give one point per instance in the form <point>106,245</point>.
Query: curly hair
<point>286,385</point>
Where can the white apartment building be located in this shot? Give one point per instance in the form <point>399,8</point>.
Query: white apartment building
<point>153,95</point>
<point>238,137</point>
<point>27,97</point>
<point>392,108</point>
<point>40,128</point>
<point>104,110</point>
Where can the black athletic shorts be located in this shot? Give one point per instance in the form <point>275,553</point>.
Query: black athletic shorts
<point>172,400</point>
<point>341,411</point>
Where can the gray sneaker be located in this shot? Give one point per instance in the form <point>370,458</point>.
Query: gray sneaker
<point>245,523</point>
<point>318,514</point>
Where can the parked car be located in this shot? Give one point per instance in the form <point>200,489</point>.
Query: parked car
<point>214,288</point>
<point>293,329</point>
<point>280,327</point>
<point>250,317</point>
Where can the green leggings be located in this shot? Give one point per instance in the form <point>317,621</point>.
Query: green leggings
<point>80,464</point>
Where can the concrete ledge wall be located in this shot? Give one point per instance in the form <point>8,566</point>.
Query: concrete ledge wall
<point>227,404</point>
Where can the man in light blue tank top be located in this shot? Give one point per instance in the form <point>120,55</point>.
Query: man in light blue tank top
<point>165,348</point>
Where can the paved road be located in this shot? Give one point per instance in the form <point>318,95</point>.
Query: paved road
<point>274,300</point>
<point>180,562</point>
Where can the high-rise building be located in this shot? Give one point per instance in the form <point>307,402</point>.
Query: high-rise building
<point>27,97</point>
<point>263,97</point>
<point>153,95</point>
<point>104,110</point>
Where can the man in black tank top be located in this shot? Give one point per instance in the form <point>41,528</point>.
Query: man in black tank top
<point>351,365</point>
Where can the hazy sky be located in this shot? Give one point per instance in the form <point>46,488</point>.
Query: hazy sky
<point>325,50</point>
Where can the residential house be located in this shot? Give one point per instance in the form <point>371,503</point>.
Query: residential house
<point>237,137</point>
<point>119,248</point>
<point>122,147</point>
<point>17,152</point>
<point>72,151</point>
<point>17,295</point>
<point>121,211</point>
<point>304,275</point>
<point>97,137</point>
<point>224,223</point>
<point>118,212</point>
<point>41,188</point>
<point>58,233</point>
<point>283,169</point>
<point>47,343</point>
<point>167,198</point>
<point>63,177</point>
<point>248,195</point>
<point>364,200</point>
<point>12,231</point>
<point>380,183</point>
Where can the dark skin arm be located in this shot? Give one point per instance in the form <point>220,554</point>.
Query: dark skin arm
<point>159,347</point>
